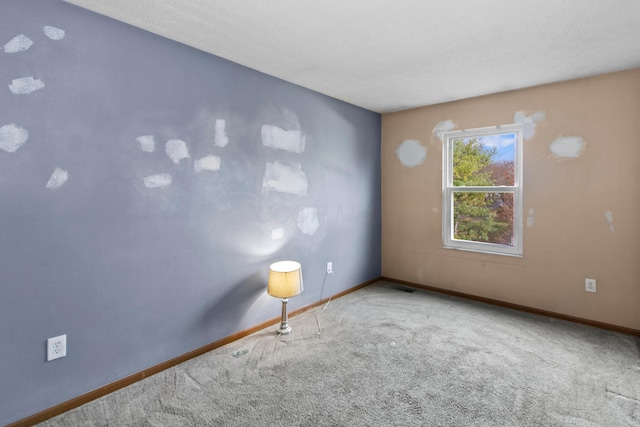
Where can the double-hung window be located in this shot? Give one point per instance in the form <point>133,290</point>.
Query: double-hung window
<point>482,190</point>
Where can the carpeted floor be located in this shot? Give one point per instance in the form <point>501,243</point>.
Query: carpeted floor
<point>386,357</point>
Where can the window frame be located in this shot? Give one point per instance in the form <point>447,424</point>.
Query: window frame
<point>448,190</point>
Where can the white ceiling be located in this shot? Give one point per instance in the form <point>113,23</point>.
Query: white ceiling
<point>390,55</point>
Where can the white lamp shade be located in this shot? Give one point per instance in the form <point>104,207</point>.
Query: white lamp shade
<point>285,279</point>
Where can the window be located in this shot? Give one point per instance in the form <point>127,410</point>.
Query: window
<point>482,190</point>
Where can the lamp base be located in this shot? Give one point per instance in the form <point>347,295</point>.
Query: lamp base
<point>284,320</point>
<point>283,330</point>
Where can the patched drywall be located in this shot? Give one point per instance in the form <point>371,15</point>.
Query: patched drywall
<point>567,146</point>
<point>443,126</point>
<point>147,143</point>
<point>531,218</point>
<point>54,33</point>
<point>580,197</point>
<point>528,122</point>
<point>221,138</point>
<point>12,137</point>
<point>19,43</point>
<point>208,163</point>
<point>57,179</point>
<point>25,85</point>
<point>609,217</point>
<point>283,178</point>
<point>308,221</point>
<point>177,150</point>
<point>411,153</point>
<point>157,180</point>
<point>288,140</point>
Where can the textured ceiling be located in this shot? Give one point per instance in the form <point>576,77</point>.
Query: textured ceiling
<point>387,55</point>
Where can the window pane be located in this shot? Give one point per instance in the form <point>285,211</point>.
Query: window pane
<point>484,160</point>
<point>483,217</point>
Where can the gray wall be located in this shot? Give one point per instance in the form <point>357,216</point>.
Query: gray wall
<point>136,274</point>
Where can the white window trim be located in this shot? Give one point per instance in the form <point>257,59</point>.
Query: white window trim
<point>448,241</point>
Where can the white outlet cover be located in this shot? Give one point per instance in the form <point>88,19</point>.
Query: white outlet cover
<point>590,285</point>
<point>56,347</point>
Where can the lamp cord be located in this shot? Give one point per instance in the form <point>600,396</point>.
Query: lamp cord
<point>319,313</point>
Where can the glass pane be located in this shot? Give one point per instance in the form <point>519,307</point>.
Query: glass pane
<point>483,217</point>
<point>484,160</point>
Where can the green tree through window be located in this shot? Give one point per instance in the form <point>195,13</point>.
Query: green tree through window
<point>481,217</point>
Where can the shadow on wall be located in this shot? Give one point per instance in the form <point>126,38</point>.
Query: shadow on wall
<point>230,308</point>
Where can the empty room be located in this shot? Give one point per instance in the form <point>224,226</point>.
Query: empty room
<point>319,213</point>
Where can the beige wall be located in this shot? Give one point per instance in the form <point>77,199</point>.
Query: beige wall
<point>568,237</point>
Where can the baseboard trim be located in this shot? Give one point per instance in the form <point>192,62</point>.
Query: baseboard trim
<point>124,382</point>
<point>594,323</point>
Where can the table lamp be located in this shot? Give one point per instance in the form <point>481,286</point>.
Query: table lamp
<point>285,281</point>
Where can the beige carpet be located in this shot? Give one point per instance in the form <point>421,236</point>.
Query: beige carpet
<point>387,357</point>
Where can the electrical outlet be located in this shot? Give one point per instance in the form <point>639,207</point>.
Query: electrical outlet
<point>330,267</point>
<point>590,285</point>
<point>56,347</point>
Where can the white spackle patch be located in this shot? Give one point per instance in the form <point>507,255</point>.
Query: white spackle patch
<point>12,137</point>
<point>157,180</point>
<point>147,143</point>
<point>208,163</point>
<point>288,140</point>
<point>411,153</point>
<point>25,85</point>
<point>53,33</point>
<point>528,122</point>
<point>19,43</point>
<point>57,179</point>
<point>285,179</point>
<point>308,221</point>
<point>567,146</point>
<point>177,150</point>
<point>609,216</point>
<point>221,138</point>
<point>277,234</point>
<point>531,219</point>
<point>442,127</point>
